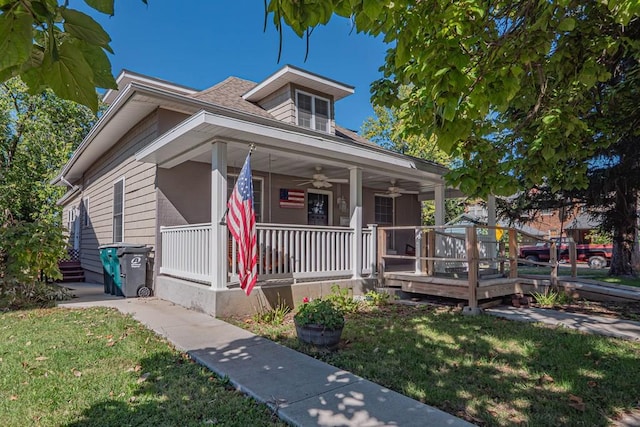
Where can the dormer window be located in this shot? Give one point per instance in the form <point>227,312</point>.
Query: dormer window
<point>313,111</point>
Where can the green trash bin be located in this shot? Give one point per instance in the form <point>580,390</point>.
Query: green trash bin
<point>109,259</point>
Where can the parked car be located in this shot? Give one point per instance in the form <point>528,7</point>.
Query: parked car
<point>597,256</point>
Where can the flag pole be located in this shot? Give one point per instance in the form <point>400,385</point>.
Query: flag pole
<point>223,220</point>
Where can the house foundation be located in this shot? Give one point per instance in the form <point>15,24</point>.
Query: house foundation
<point>230,302</point>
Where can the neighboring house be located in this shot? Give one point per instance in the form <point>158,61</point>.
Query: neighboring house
<point>575,223</point>
<point>160,163</point>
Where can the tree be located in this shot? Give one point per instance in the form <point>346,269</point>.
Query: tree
<point>613,168</point>
<point>37,136</point>
<point>385,130</point>
<point>50,45</point>
<point>502,84</point>
<point>513,88</point>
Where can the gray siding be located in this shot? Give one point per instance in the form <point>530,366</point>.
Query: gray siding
<point>139,195</point>
<point>139,192</point>
<point>281,105</point>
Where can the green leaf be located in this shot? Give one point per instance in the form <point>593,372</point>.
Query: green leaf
<point>549,120</point>
<point>15,38</point>
<point>548,152</point>
<point>104,6</point>
<point>441,71</point>
<point>85,28</point>
<point>372,8</point>
<point>567,24</point>
<point>402,54</point>
<point>70,76</point>
<point>97,59</point>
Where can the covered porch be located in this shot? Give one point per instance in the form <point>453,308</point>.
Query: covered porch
<point>347,184</point>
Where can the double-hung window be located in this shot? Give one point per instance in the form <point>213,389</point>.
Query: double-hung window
<point>313,111</point>
<point>384,210</point>
<point>118,210</point>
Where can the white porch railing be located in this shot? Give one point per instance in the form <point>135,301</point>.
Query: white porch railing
<point>283,251</point>
<point>186,251</point>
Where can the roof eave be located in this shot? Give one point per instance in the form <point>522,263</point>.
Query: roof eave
<point>289,74</point>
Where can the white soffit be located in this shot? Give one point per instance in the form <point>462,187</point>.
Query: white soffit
<point>289,74</point>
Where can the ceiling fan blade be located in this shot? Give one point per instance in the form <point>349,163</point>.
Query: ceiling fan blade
<point>338,180</point>
<point>305,182</point>
<point>409,192</point>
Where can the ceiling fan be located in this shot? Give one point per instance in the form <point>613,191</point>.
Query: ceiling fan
<point>320,180</point>
<point>394,191</point>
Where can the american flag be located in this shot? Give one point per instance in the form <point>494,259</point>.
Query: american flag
<point>291,198</point>
<point>241,221</point>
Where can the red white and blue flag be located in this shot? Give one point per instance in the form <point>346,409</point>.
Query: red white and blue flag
<point>291,198</point>
<point>241,221</point>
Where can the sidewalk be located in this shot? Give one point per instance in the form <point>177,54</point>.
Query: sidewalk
<point>303,390</point>
<point>599,325</point>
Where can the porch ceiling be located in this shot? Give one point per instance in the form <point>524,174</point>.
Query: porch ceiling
<point>290,151</point>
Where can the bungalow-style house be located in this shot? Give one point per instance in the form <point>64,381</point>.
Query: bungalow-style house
<point>159,165</point>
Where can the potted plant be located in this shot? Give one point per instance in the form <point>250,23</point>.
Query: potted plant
<point>319,322</point>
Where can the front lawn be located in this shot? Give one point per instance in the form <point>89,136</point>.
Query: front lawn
<point>96,367</point>
<point>487,370</point>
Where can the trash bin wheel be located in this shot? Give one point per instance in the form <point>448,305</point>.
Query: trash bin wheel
<point>144,292</point>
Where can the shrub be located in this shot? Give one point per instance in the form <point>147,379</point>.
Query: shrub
<point>15,295</point>
<point>319,312</point>
<point>342,298</point>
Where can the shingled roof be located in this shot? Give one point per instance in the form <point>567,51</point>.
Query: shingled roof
<point>228,93</point>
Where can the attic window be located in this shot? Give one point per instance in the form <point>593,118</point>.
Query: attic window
<point>313,111</point>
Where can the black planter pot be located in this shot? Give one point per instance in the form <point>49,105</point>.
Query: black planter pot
<point>318,335</point>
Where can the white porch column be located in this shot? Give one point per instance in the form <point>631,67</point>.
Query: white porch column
<point>219,233</point>
<point>355,201</point>
<point>439,202</point>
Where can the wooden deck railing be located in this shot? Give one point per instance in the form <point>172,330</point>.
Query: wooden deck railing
<point>472,252</point>
<point>283,251</point>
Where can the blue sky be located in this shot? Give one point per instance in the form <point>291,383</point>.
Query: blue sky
<point>200,43</point>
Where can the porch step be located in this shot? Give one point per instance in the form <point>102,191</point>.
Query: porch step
<point>71,271</point>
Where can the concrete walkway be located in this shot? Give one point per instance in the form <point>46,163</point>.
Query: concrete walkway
<point>600,325</point>
<point>303,390</point>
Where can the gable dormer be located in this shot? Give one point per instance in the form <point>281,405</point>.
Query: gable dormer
<point>299,97</point>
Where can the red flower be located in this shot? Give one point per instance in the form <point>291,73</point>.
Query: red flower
<point>305,300</point>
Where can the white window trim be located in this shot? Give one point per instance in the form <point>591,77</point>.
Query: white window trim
<point>255,178</point>
<point>313,110</point>
<point>393,210</point>
<point>326,192</point>
<point>123,210</point>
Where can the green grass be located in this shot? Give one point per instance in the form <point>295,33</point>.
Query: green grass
<point>96,367</point>
<point>490,371</point>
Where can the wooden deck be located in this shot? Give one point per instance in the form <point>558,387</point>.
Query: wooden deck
<point>469,263</point>
<point>459,288</point>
